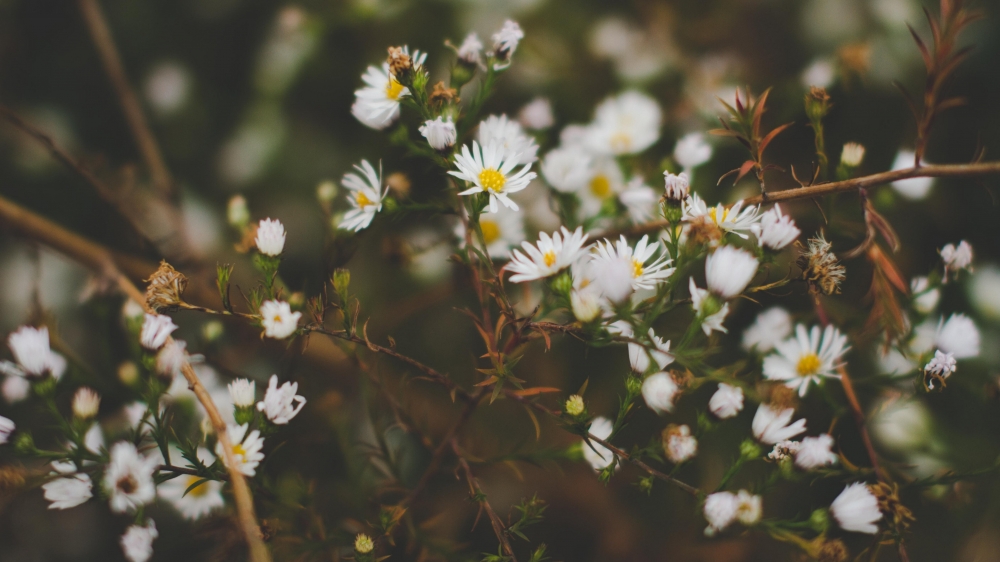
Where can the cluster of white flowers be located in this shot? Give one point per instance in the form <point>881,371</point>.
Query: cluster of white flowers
<point>722,509</point>
<point>679,444</point>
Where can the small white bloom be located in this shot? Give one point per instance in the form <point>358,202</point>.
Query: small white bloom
<point>548,256</point>
<point>237,212</point>
<point>507,133</point>
<point>677,187</point>
<point>784,450</point>
<point>597,455</point>
<point>604,182</point>
<point>925,297</point>
<point>270,239</point>
<point>137,542</point>
<point>69,491</point>
<point>6,428</point>
<point>377,104</point>
<point>806,357</point>
<point>956,258</point>
<point>502,231</point>
<point>440,133</point>
<point>15,389</point>
<point>852,154</point>
<point>701,302</point>
<point>692,150</point>
<point>728,271</point>
<point>727,401</point>
<point>625,124</point>
<point>31,350</point>
<point>856,509</point>
<point>246,449</point>
<point>820,72</point>
<point>659,391</point>
<point>720,511</point>
<point>243,392</point>
<point>769,329</point>
<point>173,356</point>
<point>537,115</point>
<point>958,336</point>
<point>86,402</point>
<point>815,452</point>
<point>491,172</point>
<point>471,49</point>
<point>942,365</point>
<point>128,479</point>
<point>281,404</point>
<point>505,43</point>
<point>198,501</point>
<point>567,169</point>
<point>775,230</point>
<point>365,194</point>
<point>749,508</point>
<point>680,445</point>
<point>771,426</point>
<point>93,440</point>
<point>639,200</point>
<point>914,189</point>
<point>647,270</point>
<point>278,319</point>
<point>733,219</point>
<point>155,331</point>
<point>639,354</point>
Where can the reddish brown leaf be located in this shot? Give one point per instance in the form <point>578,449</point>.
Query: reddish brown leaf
<point>536,391</point>
<point>744,170</point>
<point>770,137</point>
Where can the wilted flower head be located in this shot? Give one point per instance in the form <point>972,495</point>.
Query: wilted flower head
<point>784,450</point>
<point>471,49</point>
<point>278,319</point>
<point>281,404</point>
<point>820,267</point>
<point>775,230</point>
<point>155,330</point>
<point>940,367</point>
<point>956,258</point>
<point>676,186</point>
<point>165,287</point>
<point>856,509</point>
<point>440,133</point>
<point>727,401</point>
<point>678,443</point>
<point>852,155</point>
<point>771,425</point>
<point>399,61</point>
<point>86,402</point>
<point>270,237</point>
<point>505,42</point>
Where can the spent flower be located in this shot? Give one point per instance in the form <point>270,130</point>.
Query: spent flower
<point>775,230</point>
<point>281,404</point>
<point>727,401</point>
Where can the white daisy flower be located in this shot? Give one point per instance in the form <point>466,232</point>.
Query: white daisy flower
<point>775,230</point>
<point>490,172</point>
<point>727,401</point>
<point>377,104</point>
<point>771,426</point>
<point>641,202</point>
<point>915,189</point>
<point>537,115</point>
<point>137,542</point>
<point>270,238</point>
<point>68,491</point>
<point>194,503</point>
<point>677,187</point>
<point>769,329</point>
<point>814,452</point>
<point>659,391</point>
<point>246,449</point>
<point>128,479</point>
<point>517,146</point>
<point>548,256</point>
<point>155,330</point>
<point>15,387</point>
<point>243,392</point>
<point>505,43</point>
<point>856,509</point>
<point>728,271</point>
<point>956,258</point>
<point>925,297</point>
<point>733,219</point>
<point>647,270</point>
<point>567,169</point>
<point>806,357</point>
<point>942,365</point>
<point>278,319</point>
<point>86,402</point>
<point>502,231</point>
<point>440,133</point>
<point>281,404</point>
<point>625,124</point>
<point>31,350</point>
<point>599,456</point>
<point>639,355</point>
<point>679,445</point>
<point>707,309</point>
<point>471,50</point>
<point>365,194</point>
<point>749,508</point>
<point>604,183</point>
<point>720,511</point>
<point>692,150</point>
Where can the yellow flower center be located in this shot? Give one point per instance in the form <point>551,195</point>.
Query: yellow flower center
<point>637,268</point>
<point>600,186</point>
<point>239,451</point>
<point>808,365</point>
<point>550,258</point>
<point>199,490</point>
<point>620,142</point>
<point>393,89</point>
<point>491,231</point>
<point>492,180</point>
<point>713,215</point>
<point>362,200</point>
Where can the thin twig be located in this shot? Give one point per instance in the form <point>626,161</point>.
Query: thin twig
<point>476,491</point>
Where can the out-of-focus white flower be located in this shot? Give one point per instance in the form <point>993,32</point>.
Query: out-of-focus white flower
<point>856,509</point>
<point>712,315</point>
<point>942,365</point>
<point>659,391</point>
<point>517,146</point>
<point>956,258</point>
<point>505,43</point>
<point>86,402</point>
<point>640,200</point>
<point>137,542</point>
<point>644,275</point>
<point>377,104</point>
<point>237,215</point>
<point>733,219</point>
<point>984,290</point>
<point>586,302</point>
<point>597,455</point>
<point>15,388</point>
<point>915,189</point>
<point>537,115</point>
<point>68,491</point>
<point>246,449</point>
<point>614,277</point>
<point>727,401</point>
<point>770,328</point>
<point>692,150</point>
<point>93,440</point>
<point>128,479</point>
<point>784,450</point>
<point>806,357</point>
<point>278,319</point>
<point>194,503</point>
<point>679,444</point>
<point>604,182</point>
<point>281,404</point>
<point>639,355</point>
<point>6,428</point>
<point>677,187</point>
<point>502,231</point>
<point>270,239</point>
<point>775,230</point>
<point>720,511</point>
<point>365,194</point>
<point>567,169</point>
<point>548,256</point>
<point>440,133</point>
<point>490,171</point>
<point>471,49</point>
<point>820,73</point>
<point>173,356</point>
<point>958,336</point>
<point>771,425</point>
<point>167,87</point>
<point>925,297</point>
<point>749,508</point>
<point>132,311</point>
<point>728,271</point>
<point>243,392</point>
<point>155,331</point>
<point>815,452</point>
<point>903,425</point>
<point>31,350</point>
<point>628,123</point>
<point>852,154</point>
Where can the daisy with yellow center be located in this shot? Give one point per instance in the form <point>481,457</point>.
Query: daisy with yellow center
<point>202,499</point>
<point>502,231</point>
<point>548,256</point>
<point>806,357</point>
<point>490,169</point>
<point>377,103</point>
<point>647,270</point>
<point>365,194</point>
<point>246,449</point>
<point>733,219</point>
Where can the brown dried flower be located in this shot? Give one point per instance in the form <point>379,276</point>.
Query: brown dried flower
<point>783,397</point>
<point>249,240</point>
<point>898,515</point>
<point>819,266</point>
<point>165,287</point>
<point>704,231</point>
<point>442,94</point>
<point>399,183</point>
<point>833,551</point>
<point>856,57</point>
<point>399,61</point>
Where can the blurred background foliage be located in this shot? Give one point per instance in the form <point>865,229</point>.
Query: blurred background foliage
<point>253,97</point>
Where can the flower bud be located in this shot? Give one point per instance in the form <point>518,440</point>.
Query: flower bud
<point>363,544</point>
<point>326,192</point>
<point>819,521</point>
<point>86,403</point>
<point>237,212</point>
<point>341,281</point>
<point>575,405</point>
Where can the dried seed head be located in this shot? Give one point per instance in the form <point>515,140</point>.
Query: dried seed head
<point>889,503</point>
<point>399,62</point>
<point>833,551</point>
<point>704,231</point>
<point>783,397</point>
<point>819,266</point>
<point>856,57</point>
<point>442,94</point>
<point>165,287</point>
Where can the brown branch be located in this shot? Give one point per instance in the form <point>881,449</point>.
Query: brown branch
<point>97,25</point>
<point>476,491</point>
